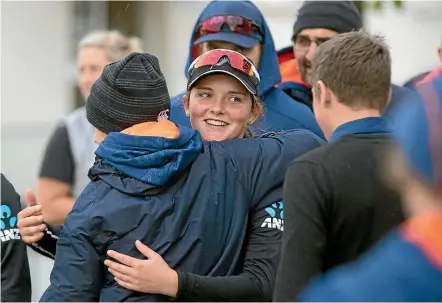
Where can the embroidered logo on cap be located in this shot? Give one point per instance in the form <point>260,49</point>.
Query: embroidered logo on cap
<point>163,115</point>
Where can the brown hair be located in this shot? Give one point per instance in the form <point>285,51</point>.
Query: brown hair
<point>257,110</point>
<point>356,67</point>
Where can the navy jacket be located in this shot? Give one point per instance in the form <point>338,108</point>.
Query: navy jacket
<point>189,201</point>
<point>281,112</point>
<point>400,268</point>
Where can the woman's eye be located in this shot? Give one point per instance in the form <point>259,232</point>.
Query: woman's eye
<point>235,99</point>
<point>204,95</point>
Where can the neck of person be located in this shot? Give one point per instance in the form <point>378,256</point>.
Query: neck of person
<point>344,114</point>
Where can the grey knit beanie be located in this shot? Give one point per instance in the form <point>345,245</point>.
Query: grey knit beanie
<point>339,16</point>
<point>130,91</point>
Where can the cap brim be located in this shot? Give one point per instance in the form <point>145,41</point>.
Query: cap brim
<point>238,39</point>
<point>232,73</point>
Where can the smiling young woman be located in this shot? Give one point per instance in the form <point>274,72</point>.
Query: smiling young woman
<point>222,95</point>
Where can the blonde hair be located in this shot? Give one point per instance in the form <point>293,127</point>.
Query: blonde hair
<point>113,42</point>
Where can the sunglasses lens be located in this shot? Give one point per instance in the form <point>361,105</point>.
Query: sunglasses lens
<point>219,57</point>
<point>237,24</point>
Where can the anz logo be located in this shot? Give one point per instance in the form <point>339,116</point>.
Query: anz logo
<point>276,216</point>
<point>9,230</point>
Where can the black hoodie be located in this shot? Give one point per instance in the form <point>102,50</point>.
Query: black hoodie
<point>16,278</point>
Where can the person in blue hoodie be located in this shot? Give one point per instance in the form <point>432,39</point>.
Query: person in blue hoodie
<point>153,181</point>
<point>406,266</point>
<point>240,26</point>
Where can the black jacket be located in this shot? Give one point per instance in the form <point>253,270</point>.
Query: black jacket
<point>16,278</point>
<point>336,204</point>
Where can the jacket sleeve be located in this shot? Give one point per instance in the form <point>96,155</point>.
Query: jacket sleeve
<point>16,279</point>
<point>262,161</point>
<point>258,271</point>
<point>46,246</point>
<point>77,275</point>
<point>305,236</point>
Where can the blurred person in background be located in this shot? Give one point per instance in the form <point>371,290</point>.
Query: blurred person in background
<point>437,72</point>
<point>16,278</point>
<point>240,26</point>
<point>162,177</point>
<point>70,151</point>
<point>317,22</point>
<point>406,266</point>
<point>392,110</point>
<point>336,205</point>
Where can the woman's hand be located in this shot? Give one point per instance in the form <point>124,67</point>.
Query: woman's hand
<point>30,220</point>
<point>148,276</point>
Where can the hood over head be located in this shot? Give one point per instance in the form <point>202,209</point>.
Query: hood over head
<point>268,65</point>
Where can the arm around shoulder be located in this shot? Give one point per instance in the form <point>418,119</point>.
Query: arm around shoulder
<point>77,275</point>
<point>263,161</point>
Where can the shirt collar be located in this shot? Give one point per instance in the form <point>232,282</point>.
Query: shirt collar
<point>370,125</point>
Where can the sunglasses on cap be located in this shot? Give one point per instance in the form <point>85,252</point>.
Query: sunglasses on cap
<point>237,24</point>
<point>228,62</point>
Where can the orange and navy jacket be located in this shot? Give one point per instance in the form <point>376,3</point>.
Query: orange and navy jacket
<point>292,83</point>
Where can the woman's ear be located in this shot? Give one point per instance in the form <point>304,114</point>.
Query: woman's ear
<point>254,115</point>
<point>185,100</point>
<point>256,111</point>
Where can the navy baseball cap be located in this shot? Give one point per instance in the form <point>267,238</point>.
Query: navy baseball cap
<point>245,41</point>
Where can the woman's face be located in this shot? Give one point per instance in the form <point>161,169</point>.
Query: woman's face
<point>91,61</point>
<point>219,107</point>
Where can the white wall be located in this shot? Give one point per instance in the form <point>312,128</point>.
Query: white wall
<point>167,31</point>
<point>35,92</point>
<point>413,35</point>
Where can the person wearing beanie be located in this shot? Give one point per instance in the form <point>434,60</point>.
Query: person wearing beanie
<point>241,27</point>
<point>317,22</point>
<point>406,266</point>
<point>159,195</point>
<point>70,150</point>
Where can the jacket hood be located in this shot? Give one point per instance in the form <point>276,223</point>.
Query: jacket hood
<point>268,65</point>
<point>134,162</point>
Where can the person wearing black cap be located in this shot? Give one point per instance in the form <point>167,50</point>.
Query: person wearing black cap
<point>316,22</point>
<point>160,184</point>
